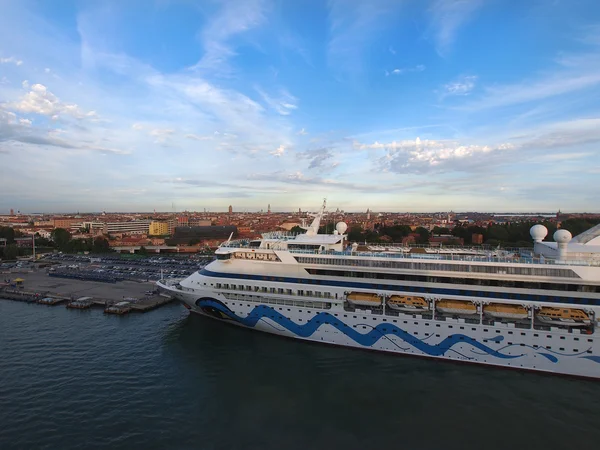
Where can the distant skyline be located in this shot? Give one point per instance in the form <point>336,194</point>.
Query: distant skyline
<point>392,105</point>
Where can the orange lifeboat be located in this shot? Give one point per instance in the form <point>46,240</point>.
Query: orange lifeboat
<point>407,303</point>
<point>461,307</point>
<point>563,316</point>
<point>363,299</point>
<point>504,311</point>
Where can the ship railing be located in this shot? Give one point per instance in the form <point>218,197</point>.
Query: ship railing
<point>490,257</point>
<point>280,235</point>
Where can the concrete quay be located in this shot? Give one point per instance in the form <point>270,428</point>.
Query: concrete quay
<point>38,285</point>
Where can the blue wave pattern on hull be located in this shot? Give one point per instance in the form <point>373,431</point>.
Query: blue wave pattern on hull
<point>367,339</point>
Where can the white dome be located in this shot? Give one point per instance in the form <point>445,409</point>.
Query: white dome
<point>562,236</point>
<point>538,232</point>
<point>341,227</point>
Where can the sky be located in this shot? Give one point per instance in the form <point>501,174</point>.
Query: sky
<point>391,105</point>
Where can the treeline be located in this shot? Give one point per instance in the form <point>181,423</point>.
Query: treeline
<point>60,240</point>
<point>508,235</point>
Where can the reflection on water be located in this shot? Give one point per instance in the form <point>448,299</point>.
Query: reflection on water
<point>167,379</point>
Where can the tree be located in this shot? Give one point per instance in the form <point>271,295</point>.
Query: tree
<point>10,251</point>
<point>297,229</point>
<point>7,233</point>
<point>423,235</point>
<point>61,238</point>
<point>143,250</point>
<point>100,245</point>
<point>439,230</point>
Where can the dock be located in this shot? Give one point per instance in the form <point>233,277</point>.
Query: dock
<point>39,287</point>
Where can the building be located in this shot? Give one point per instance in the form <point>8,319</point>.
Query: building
<point>185,235</point>
<point>65,223</point>
<point>230,209</point>
<point>24,241</point>
<point>477,238</point>
<point>131,227</point>
<point>158,228</point>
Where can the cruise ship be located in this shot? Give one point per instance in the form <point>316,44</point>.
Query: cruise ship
<point>536,309</point>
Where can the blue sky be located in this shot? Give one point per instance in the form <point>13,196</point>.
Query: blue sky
<point>390,105</point>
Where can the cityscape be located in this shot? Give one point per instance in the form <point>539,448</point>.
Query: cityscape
<point>192,232</point>
<point>299,224</point>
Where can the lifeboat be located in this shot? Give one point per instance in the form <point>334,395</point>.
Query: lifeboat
<point>404,303</point>
<point>456,307</point>
<point>504,311</point>
<point>563,316</point>
<point>363,299</point>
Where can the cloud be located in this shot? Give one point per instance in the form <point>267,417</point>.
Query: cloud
<point>317,157</point>
<point>351,27</point>
<point>279,151</point>
<point>462,86</point>
<point>11,60</point>
<point>417,68</point>
<point>196,137</point>
<point>13,130</point>
<point>137,126</point>
<point>43,102</point>
<point>233,19</point>
<point>284,103</point>
<point>302,132</point>
<point>423,156</point>
<point>447,16</point>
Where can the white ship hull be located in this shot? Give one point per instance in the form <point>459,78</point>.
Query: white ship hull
<point>557,351</point>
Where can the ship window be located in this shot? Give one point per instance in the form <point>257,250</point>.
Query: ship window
<point>437,325</point>
<point>549,336</point>
<point>535,335</point>
<point>548,347</point>
<point>437,335</point>
<point>394,320</point>
<point>449,326</point>
<point>589,340</point>
<point>473,329</point>
<point>354,317</point>
<point>510,332</point>
<point>575,339</point>
<point>562,349</point>
<point>426,324</point>
<point>575,350</point>
<point>416,323</point>
<point>522,334</point>
<point>562,337</point>
<point>462,328</point>
<point>589,351</point>
<point>497,331</point>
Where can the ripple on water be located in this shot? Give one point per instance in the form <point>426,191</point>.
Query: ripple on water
<point>73,379</point>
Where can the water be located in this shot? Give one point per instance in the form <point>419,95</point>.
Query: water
<point>80,379</point>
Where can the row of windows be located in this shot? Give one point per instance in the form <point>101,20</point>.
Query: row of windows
<point>277,301</point>
<point>455,280</point>
<point>273,290</point>
<point>417,265</point>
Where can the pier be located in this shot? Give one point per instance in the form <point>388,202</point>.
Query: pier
<point>38,287</point>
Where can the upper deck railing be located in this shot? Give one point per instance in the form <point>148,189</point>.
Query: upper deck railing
<point>458,253</point>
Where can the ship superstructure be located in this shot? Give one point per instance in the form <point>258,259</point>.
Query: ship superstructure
<point>537,309</point>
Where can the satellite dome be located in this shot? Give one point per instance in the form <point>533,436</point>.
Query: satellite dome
<point>341,227</point>
<point>538,232</point>
<point>562,236</point>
